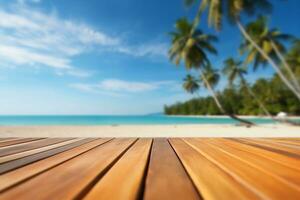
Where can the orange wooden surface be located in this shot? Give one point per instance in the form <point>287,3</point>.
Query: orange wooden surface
<point>133,168</point>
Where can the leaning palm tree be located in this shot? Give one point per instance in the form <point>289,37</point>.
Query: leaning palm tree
<point>192,46</point>
<point>210,81</point>
<point>293,58</point>
<point>234,70</point>
<point>271,41</point>
<point>233,10</point>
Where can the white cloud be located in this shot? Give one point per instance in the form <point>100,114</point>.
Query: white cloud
<point>30,37</point>
<point>28,1</point>
<point>83,87</point>
<point>127,86</point>
<point>75,72</point>
<point>19,55</point>
<point>121,86</point>
<point>159,49</point>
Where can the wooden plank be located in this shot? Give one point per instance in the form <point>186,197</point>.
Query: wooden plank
<point>17,141</point>
<point>21,174</point>
<point>290,175</point>
<point>211,181</point>
<point>286,141</point>
<point>166,177</point>
<point>291,152</point>
<point>16,156</point>
<point>64,146</point>
<point>287,161</point>
<point>7,139</point>
<point>128,173</point>
<point>5,151</point>
<point>256,179</point>
<point>280,143</point>
<point>70,179</point>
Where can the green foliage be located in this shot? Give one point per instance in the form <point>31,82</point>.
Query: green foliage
<point>212,76</point>
<point>293,58</point>
<point>217,10</point>
<point>236,99</point>
<point>190,84</point>
<point>263,37</point>
<point>234,69</point>
<point>190,46</point>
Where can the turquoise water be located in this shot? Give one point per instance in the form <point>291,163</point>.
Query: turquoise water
<point>116,120</point>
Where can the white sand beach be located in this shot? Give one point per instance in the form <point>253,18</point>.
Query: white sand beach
<point>151,131</point>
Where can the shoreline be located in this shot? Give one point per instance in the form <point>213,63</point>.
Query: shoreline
<point>204,130</point>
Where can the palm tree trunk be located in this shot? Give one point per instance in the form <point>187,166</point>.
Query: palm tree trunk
<point>219,105</point>
<point>286,66</point>
<point>272,63</point>
<point>213,93</point>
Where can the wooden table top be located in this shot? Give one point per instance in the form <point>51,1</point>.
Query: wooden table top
<point>152,169</point>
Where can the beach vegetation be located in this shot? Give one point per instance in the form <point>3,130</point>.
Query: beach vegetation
<point>236,99</point>
<point>192,46</point>
<point>261,46</point>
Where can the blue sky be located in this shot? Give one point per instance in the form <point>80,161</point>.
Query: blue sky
<point>101,56</point>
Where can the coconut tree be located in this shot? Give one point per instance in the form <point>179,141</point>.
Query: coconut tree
<point>210,78</point>
<point>233,10</point>
<point>293,58</point>
<point>192,48</point>
<point>235,70</point>
<point>190,84</point>
<point>271,41</point>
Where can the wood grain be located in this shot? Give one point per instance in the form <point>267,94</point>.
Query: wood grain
<point>276,156</point>
<point>292,176</point>
<point>7,139</point>
<point>17,141</point>
<point>287,151</point>
<point>151,169</point>
<point>211,181</point>
<point>16,156</point>
<point>249,175</point>
<point>14,177</point>
<point>285,141</point>
<point>166,177</point>
<point>128,172</point>
<point>14,164</point>
<point>5,151</point>
<point>67,181</point>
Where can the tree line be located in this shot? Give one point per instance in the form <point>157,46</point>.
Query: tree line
<point>237,100</point>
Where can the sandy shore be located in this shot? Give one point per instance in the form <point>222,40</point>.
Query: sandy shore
<point>151,131</point>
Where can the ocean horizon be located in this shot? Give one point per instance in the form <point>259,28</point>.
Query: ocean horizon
<point>31,120</point>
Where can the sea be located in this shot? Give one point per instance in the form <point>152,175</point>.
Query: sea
<point>80,120</point>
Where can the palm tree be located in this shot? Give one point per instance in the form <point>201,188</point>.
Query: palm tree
<point>233,9</point>
<point>293,58</point>
<point>210,79</point>
<point>234,70</point>
<point>271,41</point>
<point>190,84</point>
<point>191,46</point>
